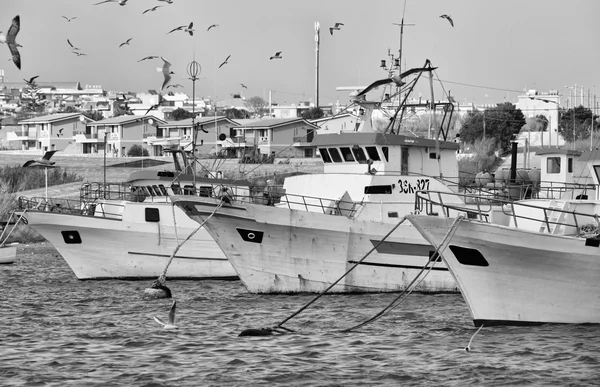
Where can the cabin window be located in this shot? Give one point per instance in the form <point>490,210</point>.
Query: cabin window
<point>570,164</point>
<point>152,215</point>
<point>335,155</point>
<point>553,165</point>
<point>386,153</point>
<point>347,153</point>
<point>176,189</point>
<point>157,190</point>
<point>359,154</point>
<point>163,190</point>
<point>150,190</point>
<point>404,161</point>
<point>378,189</point>
<point>325,155</point>
<point>189,190</point>
<point>205,191</point>
<point>372,152</point>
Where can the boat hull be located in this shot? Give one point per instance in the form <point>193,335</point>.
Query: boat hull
<point>8,254</point>
<point>516,277</point>
<point>131,248</point>
<point>279,250</point>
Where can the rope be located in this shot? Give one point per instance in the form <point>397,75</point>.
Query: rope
<point>162,278</point>
<point>3,239</point>
<point>409,289</point>
<point>339,279</point>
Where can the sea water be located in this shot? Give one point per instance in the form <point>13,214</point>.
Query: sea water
<point>56,330</point>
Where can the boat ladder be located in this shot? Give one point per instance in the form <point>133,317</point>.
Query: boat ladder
<point>554,215</point>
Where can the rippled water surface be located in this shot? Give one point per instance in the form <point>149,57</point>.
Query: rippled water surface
<point>57,330</point>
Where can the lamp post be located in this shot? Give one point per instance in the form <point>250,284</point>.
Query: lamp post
<point>193,71</point>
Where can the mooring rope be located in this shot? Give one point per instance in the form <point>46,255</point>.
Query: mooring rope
<point>3,239</point>
<point>409,289</point>
<point>339,279</point>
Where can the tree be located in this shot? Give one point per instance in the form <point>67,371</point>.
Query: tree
<point>575,124</point>
<point>137,151</point>
<point>313,113</point>
<point>234,113</point>
<point>69,109</point>
<point>256,104</point>
<point>93,114</point>
<point>181,114</point>
<point>502,122</point>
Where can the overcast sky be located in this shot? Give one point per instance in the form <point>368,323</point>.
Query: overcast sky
<point>496,49</point>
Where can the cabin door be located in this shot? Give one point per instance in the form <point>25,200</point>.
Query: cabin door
<point>404,161</point>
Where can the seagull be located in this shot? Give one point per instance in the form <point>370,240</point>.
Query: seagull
<point>190,29</point>
<point>176,29</point>
<point>175,86</point>
<point>152,9</point>
<point>121,2</point>
<point>125,42</point>
<point>468,347</point>
<point>447,17</point>
<point>30,81</point>
<point>335,27</point>
<point>69,19</point>
<point>225,62</point>
<point>244,86</point>
<point>170,324</point>
<point>72,46</point>
<point>211,26</point>
<point>148,57</point>
<point>276,56</point>
<point>167,1</point>
<point>166,70</point>
<point>45,160</point>
<point>78,53</point>
<point>10,40</point>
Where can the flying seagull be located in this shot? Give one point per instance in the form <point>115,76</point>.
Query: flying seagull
<point>72,46</point>
<point>152,9</point>
<point>176,29</point>
<point>156,105</point>
<point>190,29</point>
<point>166,70</point>
<point>277,55</point>
<point>167,1</point>
<point>335,27</point>
<point>30,81</point>
<point>244,86</point>
<point>148,57</point>
<point>121,2</point>
<point>69,19</point>
<point>170,324</point>
<point>78,53</point>
<point>447,17</point>
<point>175,85</point>
<point>211,26</point>
<point>225,62</point>
<point>45,160</point>
<point>10,40</point>
<point>125,42</point>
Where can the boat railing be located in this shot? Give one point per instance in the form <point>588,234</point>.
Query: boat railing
<point>72,206</point>
<point>564,217</point>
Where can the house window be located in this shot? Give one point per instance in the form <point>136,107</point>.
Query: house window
<point>335,155</point>
<point>325,155</point>
<point>347,154</point>
<point>553,165</point>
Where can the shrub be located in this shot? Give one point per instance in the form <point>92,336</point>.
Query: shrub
<point>137,151</point>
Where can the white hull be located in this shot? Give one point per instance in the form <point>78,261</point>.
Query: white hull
<point>278,250</point>
<point>531,277</point>
<point>8,254</point>
<point>96,247</point>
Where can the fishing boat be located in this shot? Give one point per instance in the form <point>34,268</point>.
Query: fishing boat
<point>304,236</point>
<point>521,262</point>
<point>8,255</point>
<point>130,230</point>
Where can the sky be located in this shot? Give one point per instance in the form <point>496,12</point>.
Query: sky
<point>495,51</point>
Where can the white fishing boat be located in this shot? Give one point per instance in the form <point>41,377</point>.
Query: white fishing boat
<point>525,262</point>
<point>8,254</point>
<point>130,230</point>
<point>320,225</point>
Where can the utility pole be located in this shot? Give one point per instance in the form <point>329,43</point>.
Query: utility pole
<point>317,32</point>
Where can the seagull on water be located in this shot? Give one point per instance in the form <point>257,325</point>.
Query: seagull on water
<point>125,42</point>
<point>69,19</point>
<point>10,40</point>
<point>45,160</point>
<point>166,70</point>
<point>152,9</point>
<point>447,17</point>
<point>244,86</point>
<point>211,26</point>
<point>148,57</point>
<point>170,324</point>
<point>225,62</point>
<point>337,26</point>
<point>121,2</point>
<point>277,55</point>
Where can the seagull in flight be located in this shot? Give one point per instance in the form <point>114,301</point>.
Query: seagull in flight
<point>31,80</point>
<point>155,106</point>
<point>45,160</point>
<point>190,29</point>
<point>72,46</point>
<point>125,42</point>
<point>337,26</point>
<point>121,2</point>
<point>69,19</point>
<point>277,55</point>
<point>170,324</point>
<point>148,57</point>
<point>244,86</point>
<point>166,70</point>
<point>167,1</point>
<point>10,40</point>
<point>225,62</point>
<point>447,17</point>
<point>183,28</point>
<point>78,53</point>
<point>211,26</point>
<point>175,85</point>
<point>152,9</point>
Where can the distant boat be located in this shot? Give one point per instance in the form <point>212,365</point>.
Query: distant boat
<point>8,254</point>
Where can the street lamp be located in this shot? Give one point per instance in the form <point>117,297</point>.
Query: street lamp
<point>46,163</point>
<point>193,71</point>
